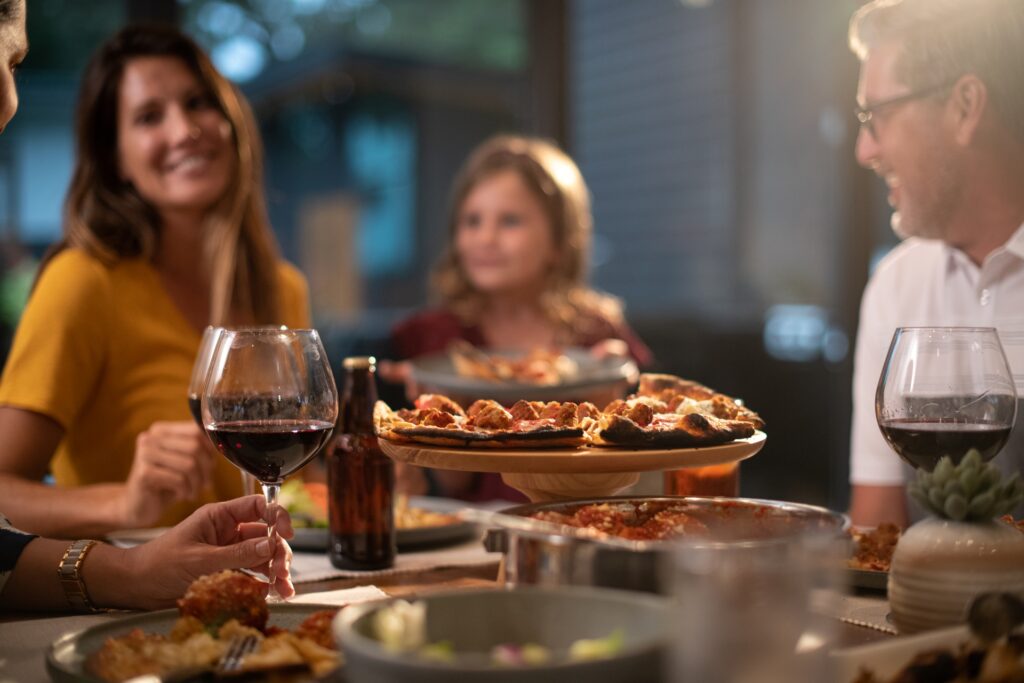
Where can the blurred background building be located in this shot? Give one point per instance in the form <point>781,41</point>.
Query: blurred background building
<point>716,137</point>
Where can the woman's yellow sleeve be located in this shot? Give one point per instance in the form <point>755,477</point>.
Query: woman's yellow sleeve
<point>60,345</point>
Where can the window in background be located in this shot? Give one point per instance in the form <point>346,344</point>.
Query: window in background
<point>36,151</point>
<point>366,108</point>
<point>245,37</point>
<point>381,151</point>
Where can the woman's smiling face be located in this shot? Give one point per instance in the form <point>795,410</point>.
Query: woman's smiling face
<point>174,144</point>
<point>503,236</point>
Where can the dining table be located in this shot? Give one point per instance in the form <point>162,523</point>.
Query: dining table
<point>858,617</point>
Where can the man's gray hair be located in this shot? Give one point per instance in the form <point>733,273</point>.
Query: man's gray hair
<point>944,39</point>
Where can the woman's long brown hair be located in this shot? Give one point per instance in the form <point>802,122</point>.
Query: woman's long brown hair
<point>105,216</point>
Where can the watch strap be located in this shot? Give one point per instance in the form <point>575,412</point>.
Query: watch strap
<point>70,574</point>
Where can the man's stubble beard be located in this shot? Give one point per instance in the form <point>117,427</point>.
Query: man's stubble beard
<point>929,215</point>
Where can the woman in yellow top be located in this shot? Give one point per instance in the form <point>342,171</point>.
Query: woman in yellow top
<point>165,233</point>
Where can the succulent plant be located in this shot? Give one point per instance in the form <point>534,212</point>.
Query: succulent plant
<point>972,491</point>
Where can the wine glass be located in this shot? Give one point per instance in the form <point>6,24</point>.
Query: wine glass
<point>196,384</point>
<point>270,403</point>
<point>944,391</point>
<point>200,368</point>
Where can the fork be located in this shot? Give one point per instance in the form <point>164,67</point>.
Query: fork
<point>229,663</point>
<point>231,660</point>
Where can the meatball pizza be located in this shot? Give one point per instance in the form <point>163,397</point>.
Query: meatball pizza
<point>666,412</point>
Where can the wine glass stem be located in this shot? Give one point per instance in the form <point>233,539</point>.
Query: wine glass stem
<point>270,492</point>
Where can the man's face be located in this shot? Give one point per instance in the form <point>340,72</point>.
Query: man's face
<point>13,47</point>
<point>907,146</point>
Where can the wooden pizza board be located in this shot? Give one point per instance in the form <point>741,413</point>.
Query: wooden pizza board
<point>560,473</point>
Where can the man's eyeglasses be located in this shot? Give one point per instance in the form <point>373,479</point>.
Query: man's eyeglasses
<point>866,114</point>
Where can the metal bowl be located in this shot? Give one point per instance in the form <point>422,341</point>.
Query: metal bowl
<point>551,558</point>
<point>476,621</point>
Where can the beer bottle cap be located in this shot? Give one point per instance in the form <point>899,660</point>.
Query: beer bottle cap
<point>360,363</point>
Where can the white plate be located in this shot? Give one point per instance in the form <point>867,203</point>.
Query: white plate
<point>65,660</point>
<point>886,658</point>
<point>436,374</point>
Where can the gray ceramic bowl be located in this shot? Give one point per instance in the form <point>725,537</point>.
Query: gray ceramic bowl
<point>475,621</point>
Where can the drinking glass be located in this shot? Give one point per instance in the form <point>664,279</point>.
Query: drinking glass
<point>270,403</point>
<point>200,369</point>
<point>710,480</point>
<point>754,611</point>
<point>944,391</point>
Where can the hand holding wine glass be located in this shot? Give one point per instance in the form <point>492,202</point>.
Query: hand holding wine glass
<point>270,403</point>
<point>944,391</point>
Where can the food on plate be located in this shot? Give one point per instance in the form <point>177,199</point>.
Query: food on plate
<point>216,610</point>
<point>666,412</point>
<point>672,412</point>
<point>409,517</point>
<point>1018,523</point>
<point>540,366</point>
<point>440,421</point>
<point>317,628</point>
<point>401,628</point>
<point>216,599</point>
<point>999,662</point>
<point>874,547</point>
<point>306,502</point>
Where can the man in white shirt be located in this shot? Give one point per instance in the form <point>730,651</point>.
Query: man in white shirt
<point>941,103</point>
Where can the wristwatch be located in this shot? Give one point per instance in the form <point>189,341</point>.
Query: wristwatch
<point>70,574</point>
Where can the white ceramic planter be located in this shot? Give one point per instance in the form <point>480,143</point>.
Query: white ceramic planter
<point>940,565</point>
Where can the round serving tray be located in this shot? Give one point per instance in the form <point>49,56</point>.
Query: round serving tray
<point>558,473</point>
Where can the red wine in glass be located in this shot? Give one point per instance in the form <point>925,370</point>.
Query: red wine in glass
<point>921,443</point>
<point>195,406</point>
<point>270,450</point>
<point>943,392</point>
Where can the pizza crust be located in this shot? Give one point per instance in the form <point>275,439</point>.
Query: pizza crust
<point>690,431</point>
<point>544,438</point>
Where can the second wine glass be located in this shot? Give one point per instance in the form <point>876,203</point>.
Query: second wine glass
<point>270,403</point>
<point>945,391</point>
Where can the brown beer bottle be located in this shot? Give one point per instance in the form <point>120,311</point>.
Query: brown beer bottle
<point>360,478</point>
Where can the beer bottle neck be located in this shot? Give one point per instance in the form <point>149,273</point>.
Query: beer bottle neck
<point>356,413</point>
